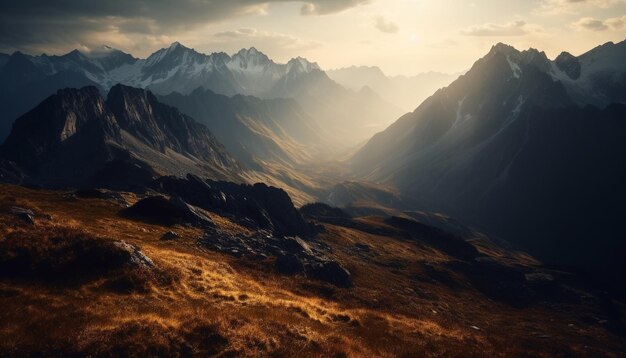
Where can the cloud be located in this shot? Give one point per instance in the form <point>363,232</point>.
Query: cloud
<point>513,28</point>
<point>264,39</point>
<point>574,6</point>
<point>616,23</point>
<point>46,25</point>
<point>385,25</point>
<point>589,23</point>
<point>325,7</point>
<point>593,24</point>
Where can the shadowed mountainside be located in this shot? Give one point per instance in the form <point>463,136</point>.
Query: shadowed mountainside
<point>77,138</point>
<point>508,148</point>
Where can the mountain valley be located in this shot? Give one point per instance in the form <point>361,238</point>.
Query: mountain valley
<point>215,205</point>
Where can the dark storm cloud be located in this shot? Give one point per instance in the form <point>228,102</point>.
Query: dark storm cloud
<point>30,23</point>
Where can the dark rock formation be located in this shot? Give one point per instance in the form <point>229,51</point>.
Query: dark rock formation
<point>25,215</point>
<point>569,64</point>
<point>258,206</point>
<point>163,211</point>
<point>169,236</point>
<point>330,271</point>
<point>294,256</point>
<point>289,264</point>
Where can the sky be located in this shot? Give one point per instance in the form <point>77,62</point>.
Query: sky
<point>402,37</point>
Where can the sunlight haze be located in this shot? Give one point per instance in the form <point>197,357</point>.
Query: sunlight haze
<point>402,37</point>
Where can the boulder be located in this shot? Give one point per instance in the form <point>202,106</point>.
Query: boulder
<point>332,272</point>
<point>289,264</point>
<point>134,256</point>
<point>169,236</point>
<point>25,215</point>
<point>168,212</point>
<point>295,245</point>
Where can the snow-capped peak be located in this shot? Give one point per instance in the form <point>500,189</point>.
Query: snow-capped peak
<point>251,54</point>
<point>179,68</point>
<point>175,45</point>
<point>519,60</point>
<point>252,51</point>
<point>504,49</point>
<point>102,51</point>
<point>301,64</point>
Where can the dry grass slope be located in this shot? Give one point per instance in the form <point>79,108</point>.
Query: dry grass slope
<point>201,303</point>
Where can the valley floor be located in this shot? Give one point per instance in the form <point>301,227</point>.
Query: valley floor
<point>408,299</point>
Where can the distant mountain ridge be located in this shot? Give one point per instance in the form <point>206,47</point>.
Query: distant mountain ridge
<point>26,80</point>
<point>514,147</point>
<point>248,71</point>
<point>77,138</point>
<point>403,91</point>
<point>254,130</point>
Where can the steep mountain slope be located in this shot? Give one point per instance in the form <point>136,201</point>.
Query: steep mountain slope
<point>75,137</point>
<point>24,84</point>
<point>181,69</point>
<point>352,117</point>
<point>254,130</point>
<point>403,91</point>
<point>506,148</point>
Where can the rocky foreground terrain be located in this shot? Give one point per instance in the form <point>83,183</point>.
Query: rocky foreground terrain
<point>200,268</point>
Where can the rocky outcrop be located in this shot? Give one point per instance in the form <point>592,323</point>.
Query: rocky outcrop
<point>292,255</point>
<point>163,211</point>
<point>257,206</point>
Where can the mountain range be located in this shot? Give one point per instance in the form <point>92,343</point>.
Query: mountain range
<point>406,92</point>
<point>26,80</point>
<point>523,147</point>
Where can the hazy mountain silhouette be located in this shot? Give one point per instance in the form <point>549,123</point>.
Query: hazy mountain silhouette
<point>403,91</point>
<point>254,130</point>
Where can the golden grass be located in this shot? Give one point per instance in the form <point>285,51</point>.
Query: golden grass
<point>222,305</point>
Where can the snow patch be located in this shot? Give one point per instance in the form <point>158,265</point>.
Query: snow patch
<point>460,117</point>
<point>517,71</point>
